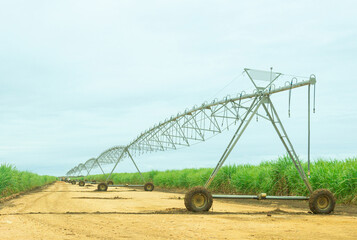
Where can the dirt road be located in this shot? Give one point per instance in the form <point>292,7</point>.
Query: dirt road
<point>65,211</point>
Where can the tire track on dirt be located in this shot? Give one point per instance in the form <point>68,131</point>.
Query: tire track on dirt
<point>65,211</point>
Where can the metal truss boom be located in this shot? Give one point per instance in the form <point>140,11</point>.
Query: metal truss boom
<point>203,122</point>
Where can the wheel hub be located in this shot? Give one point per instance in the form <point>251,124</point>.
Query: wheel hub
<point>323,202</point>
<point>199,200</point>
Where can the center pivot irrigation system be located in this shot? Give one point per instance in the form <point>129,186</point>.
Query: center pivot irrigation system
<point>205,121</point>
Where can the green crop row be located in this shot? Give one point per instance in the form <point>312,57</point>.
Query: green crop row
<point>277,177</point>
<point>14,181</point>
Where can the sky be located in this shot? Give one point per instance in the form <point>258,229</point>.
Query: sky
<point>78,77</point>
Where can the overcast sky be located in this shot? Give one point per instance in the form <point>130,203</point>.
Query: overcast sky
<point>78,77</point>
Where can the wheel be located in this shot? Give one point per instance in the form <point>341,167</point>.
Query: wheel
<point>149,186</point>
<point>110,183</point>
<point>102,187</point>
<point>198,199</point>
<point>73,182</point>
<point>322,201</point>
<point>81,183</point>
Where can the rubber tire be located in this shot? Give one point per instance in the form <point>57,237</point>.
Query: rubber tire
<point>73,182</point>
<point>313,201</point>
<point>189,202</point>
<point>149,186</point>
<point>102,187</point>
<point>110,182</point>
<point>82,183</point>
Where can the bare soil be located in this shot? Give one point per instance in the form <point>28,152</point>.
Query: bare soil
<point>66,211</point>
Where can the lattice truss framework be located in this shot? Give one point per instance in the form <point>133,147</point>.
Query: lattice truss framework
<point>191,127</point>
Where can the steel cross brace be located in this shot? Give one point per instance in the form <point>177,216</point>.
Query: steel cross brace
<point>88,171</point>
<point>278,126</point>
<point>100,167</point>
<point>241,128</point>
<point>120,157</point>
<point>79,172</point>
<point>96,161</point>
<point>142,177</point>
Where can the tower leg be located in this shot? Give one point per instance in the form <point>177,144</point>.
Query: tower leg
<point>252,110</point>
<point>279,128</point>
